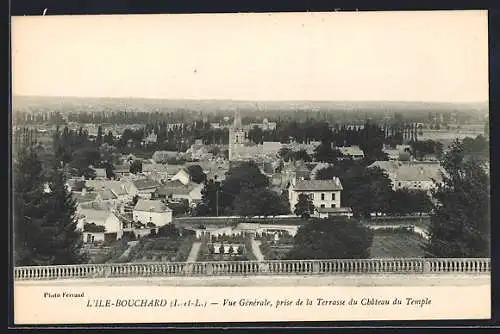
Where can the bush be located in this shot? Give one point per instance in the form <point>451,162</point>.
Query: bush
<point>332,239</point>
<point>169,231</point>
<point>92,227</point>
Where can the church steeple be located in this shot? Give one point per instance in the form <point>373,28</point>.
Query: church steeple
<point>237,124</point>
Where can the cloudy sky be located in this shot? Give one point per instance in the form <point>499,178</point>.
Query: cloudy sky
<point>403,56</point>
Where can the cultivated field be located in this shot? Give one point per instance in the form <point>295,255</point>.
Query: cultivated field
<point>396,244</point>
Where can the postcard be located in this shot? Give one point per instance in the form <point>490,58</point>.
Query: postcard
<point>252,167</point>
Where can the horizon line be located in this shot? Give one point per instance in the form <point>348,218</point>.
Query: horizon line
<point>244,100</point>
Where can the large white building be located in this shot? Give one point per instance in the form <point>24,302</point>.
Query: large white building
<point>152,211</point>
<point>412,175</point>
<point>325,196</point>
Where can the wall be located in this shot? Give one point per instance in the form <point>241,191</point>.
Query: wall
<point>112,224</point>
<point>424,185</point>
<point>89,237</point>
<point>157,218</point>
<point>195,194</point>
<point>181,176</point>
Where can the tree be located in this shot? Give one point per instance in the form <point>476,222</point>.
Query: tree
<point>136,167</point>
<point>285,153</point>
<point>197,174</point>
<point>109,138</point>
<point>180,208</point>
<point>302,155</point>
<point>29,205</point>
<point>332,238</point>
<point>99,138</point>
<point>210,205</point>
<point>256,135</point>
<point>259,202</point>
<point>324,152</point>
<point>366,190</point>
<point>460,224</point>
<point>304,206</point>
<point>60,240</point>
<point>247,175</point>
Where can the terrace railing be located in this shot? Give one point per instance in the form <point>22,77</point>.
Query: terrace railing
<point>256,268</point>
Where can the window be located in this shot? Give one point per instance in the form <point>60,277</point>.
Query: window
<point>333,196</point>
<point>399,184</point>
<point>322,205</point>
<point>322,197</point>
<point>333,205</point>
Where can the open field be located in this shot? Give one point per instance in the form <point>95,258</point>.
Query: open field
<point>396,244</point>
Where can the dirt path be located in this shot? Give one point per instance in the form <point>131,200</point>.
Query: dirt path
<point>131,245</point>
<point>256,250</point>
<point>193,254</point>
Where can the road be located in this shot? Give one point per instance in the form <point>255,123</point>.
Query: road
<point>193,254</point>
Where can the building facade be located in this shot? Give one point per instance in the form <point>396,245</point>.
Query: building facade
<point>152,211</point>
<point>323,193</point>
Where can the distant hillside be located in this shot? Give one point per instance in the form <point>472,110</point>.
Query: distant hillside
<point>138,104</point>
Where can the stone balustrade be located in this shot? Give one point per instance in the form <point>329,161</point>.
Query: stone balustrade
<point>255,268</point>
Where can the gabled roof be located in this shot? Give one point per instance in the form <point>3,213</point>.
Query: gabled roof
<point>118,189</point>
<point>175,188</point>
<point>410,171</point>
<point>318,185</point>
<point>151,206</point>
<point>145,184</point>
<point>84,198</point>
<point>94,215</point>
<point>76,185</point>
<point>107,194</point>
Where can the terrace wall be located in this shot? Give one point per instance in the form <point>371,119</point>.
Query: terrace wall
<point>256,268</point>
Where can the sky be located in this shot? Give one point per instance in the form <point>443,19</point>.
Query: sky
<point>358,56</point>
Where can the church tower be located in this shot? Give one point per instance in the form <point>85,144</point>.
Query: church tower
<point>236,137</point>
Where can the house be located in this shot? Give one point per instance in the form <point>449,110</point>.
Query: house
<point>106,195</point>
<point>119,190</point>
<point>175,190</point>
<point>85,196</point>
<point>75,185</point>
<point>412,175</point>
<point>182,176</point>
<point>152,137</point>
<point>90,219</point>
<point>164,156</point>
<point>323,193</point>
<point>152,211</point>
<point>122,170</point>
<point>392,154</point>
<point>100,173</point>
<point>142,187</point>
<point>353,152</point>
